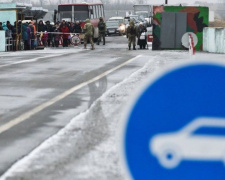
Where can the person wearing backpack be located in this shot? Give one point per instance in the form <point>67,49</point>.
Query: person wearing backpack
<point>102,30</point>
<point>131,35</point>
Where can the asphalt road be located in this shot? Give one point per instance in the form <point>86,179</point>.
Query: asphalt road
<point>41,91</point>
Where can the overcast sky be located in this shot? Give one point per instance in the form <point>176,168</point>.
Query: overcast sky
<point>180,1</point>
<point>154,1</point>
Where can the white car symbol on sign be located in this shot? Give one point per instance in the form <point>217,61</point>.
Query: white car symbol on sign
<point>171,148</point>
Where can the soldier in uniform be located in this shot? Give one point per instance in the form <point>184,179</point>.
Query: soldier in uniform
<point>102,29</point>
<point>131,35</point>
<point>89,32</point>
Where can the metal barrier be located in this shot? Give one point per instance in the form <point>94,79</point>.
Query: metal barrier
<point>8,44</point>
<point>15,42</point>
<point>2,43</point>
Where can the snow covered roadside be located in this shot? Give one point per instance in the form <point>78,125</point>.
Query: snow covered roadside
<point>86,149</point>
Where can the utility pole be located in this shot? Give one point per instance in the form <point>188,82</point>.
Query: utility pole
<point>166,2</point>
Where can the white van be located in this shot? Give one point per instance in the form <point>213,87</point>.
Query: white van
<point>121,22</point>
<point>119,19</point>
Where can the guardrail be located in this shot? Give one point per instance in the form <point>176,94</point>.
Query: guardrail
<point>8,44</point>
<point>15,42</point>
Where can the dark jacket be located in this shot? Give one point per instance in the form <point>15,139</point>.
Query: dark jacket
<point>49,28</point>
<point>31,31</point>
<point>77,28</point>
<point>10,27</point>
<point>102,27</point>
<point>41,27</point>
<point>140,30</point>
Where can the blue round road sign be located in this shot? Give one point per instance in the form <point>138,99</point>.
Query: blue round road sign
<point>176,128</point>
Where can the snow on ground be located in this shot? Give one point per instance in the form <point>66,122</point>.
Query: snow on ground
<point>87,148</point>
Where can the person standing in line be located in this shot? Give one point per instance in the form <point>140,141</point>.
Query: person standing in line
<point>77,27</point>
<point>89,32</point>
<point>9,26</point>
<point>32,37</point>
<point>102,30</point>
<point>49,30</point>
<point>41,27</point>
<point>65,31</point>
<point>141,34</point>
<point>1,28</point>
<point>56,35</point>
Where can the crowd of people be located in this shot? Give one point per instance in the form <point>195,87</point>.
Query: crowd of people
<point>50,35</point>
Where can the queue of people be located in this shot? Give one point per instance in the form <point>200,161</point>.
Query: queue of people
<point>28,35</point>
<point>50,35</point>
<point>23,34</point>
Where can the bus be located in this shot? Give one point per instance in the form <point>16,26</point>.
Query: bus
<point>81,12</point>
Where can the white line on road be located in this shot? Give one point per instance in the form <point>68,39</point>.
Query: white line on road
<point>32,60</point>
<point>52,101</point>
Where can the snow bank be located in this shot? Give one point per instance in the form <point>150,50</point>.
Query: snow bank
<point>214,40</point>
<point>86,149</point>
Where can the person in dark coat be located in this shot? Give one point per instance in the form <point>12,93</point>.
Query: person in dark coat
<point>56,36</point>
<point>1,28</point>
<point>102,30</point>
<point>9,26</point>
<point>77,27</point>
<point>49,29</point>
<point>19,27</point>
<point>41,27</point>
<point>141,35</point>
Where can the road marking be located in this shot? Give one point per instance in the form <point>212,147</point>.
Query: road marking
<point>33,60</point>
<point>30,60</point>
<point>52,101</point>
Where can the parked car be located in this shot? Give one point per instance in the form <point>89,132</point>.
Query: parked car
<point>137,19</point>
<point>113,27</point>
<point>121,21</point>
<point>201,140</point>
